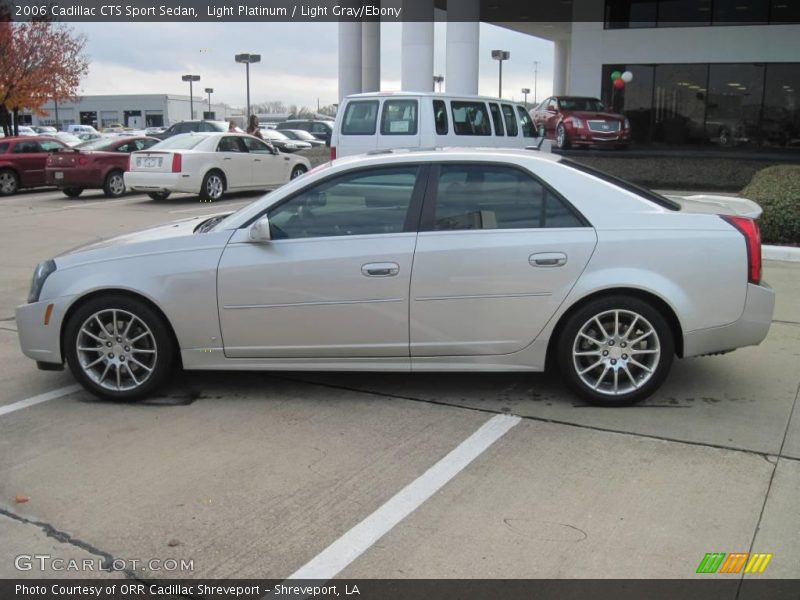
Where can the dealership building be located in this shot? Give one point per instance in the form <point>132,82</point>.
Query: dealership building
<point>704,71</point>
<point>134,110</point>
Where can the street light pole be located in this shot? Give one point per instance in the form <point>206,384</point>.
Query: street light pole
<point>209,91</point>
<point>500,56</point>
<point>248,59</point>
<point>526,91</point>
<point>191,79</point>
<point>535,79</point>
<point>438,79</point>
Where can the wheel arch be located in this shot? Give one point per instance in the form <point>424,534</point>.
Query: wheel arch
<point>117,292</point>
<point>656,301</point>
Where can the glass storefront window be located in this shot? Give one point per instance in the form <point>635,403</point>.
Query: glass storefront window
<point>780,116</point>
<point>734,103</point>
<point>635,100</point>
<point>624,14</point>
<point>679,103</point>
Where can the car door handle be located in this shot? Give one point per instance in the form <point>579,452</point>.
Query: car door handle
<point>227,158</point>
<point>387,269</point>
<point>548,259</point>
<point>257,160</point>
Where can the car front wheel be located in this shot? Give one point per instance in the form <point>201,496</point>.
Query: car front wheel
<point>9,182</point>
<point>297,171</point>
<point>114,185</point>
<point>118,348</point>
<point>615,351</point>
<point>561,137</point>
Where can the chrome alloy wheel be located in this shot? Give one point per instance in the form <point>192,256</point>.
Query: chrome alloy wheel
<point>116,350</point>
<point>8,183</point>
<point>214,186</point>
<point>116,184</point>
<point>561,136</point>
<point>616,352</point>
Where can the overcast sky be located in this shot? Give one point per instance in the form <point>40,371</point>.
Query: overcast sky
<point>299,60</point>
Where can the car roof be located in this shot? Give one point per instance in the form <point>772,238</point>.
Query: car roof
<point>450,153</point>
<point>28,138</point>
<point>440,95</point>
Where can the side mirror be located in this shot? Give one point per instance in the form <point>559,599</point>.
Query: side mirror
<point>260,232</point>
<point>274,150</point>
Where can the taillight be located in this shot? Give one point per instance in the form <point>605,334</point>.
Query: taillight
<point>83,161</point>
<point>333,152</point>
<point>749,229</point>
<point>177,163</point>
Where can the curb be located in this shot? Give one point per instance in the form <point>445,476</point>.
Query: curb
<point>787,253</point>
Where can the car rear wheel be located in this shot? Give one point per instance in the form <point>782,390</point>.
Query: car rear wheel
<point>114,185</point>
<point>9,182</point>
<point>615,351</point>
<point>72,192</point>
<point>213,186</point>
<point>561,137</point>
<point>118,348</point>
<point>159,195</point>
<point>297,171</point>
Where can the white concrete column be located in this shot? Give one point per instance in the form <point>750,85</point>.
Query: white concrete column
<point>416,59</point>
<point>560,63</point>
<point>371,56</point>
<point>463,35</point>
<point>349,58</point>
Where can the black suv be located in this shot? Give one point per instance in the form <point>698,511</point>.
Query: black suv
<point>321,130</point>
<point>193,127</point>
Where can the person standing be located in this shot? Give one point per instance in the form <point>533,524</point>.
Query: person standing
<point>253,128</point>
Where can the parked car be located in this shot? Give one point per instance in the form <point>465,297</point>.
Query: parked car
<point>68,138</point>
<point>44,129</point>
<point>24,130</point>
<point>302,136</point>
<point>383,121</point>
<point>97,164</point>
<point>321,130</point>
<point>192,127</point>
<point>22,161</point>
<point>283,142</point>
<point>520,259</point>
<point>75,129</point>
<point>153,130</point>
<point>87,137</point>
<point>580,121</point>
<point>211,164</point>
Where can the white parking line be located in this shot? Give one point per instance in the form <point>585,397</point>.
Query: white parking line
<point>9,408</point>
<point>336,557</point>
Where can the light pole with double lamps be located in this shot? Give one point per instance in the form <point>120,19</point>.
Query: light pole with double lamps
<point>191,79</point>
<point>247,60</point>
<point>525,92</point>
<point>500,56</point>
<point>209,91</point>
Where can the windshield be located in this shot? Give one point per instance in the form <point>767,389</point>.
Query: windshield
<point>185,141</point>
<point>299,134</point>
<point>587,104</point>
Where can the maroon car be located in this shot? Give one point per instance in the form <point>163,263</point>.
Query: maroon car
<point>22,161</point>
<point>97,164</point>
<point>579,121</point>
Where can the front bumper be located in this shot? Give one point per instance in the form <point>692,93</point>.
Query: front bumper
<point>749,330</point>
<point>38,341</point>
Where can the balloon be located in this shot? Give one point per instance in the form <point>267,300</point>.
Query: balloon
<point>627,77</point>
<point>619,83</point>
<point>615,75</point>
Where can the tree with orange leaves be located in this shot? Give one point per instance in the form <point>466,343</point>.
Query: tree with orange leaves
<point>39,61</point>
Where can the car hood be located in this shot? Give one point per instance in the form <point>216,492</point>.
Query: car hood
<point>175,236</point>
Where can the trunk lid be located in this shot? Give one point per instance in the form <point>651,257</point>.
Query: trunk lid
<point>153,162</point>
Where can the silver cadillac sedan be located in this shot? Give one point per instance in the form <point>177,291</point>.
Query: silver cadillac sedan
<point>446,260</point>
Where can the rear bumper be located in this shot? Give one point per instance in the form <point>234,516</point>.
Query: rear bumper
<point>73,178</point>
<point>160,182</point>
<point>749,330</point>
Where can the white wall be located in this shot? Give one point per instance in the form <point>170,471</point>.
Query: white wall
<point>592,47</point>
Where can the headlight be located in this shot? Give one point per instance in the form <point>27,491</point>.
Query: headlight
<point>576,122</point>
<point>626,124</point>
<point>40,275</point>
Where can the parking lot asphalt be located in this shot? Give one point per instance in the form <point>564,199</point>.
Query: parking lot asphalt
<point>396,475</point>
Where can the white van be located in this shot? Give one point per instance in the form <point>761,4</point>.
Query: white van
<point>75,129</point>
<point>388,120</point>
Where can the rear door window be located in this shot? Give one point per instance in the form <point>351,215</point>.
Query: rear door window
<point>497,119</point>
<point>360,118</point>
<point>470,118</point>
<point>440,117</point>
<point>3,148</point>
<point>399,117</point>
<point>510,120</point>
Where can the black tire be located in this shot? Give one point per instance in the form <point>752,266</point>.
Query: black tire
<point>297,171</point>
<point>161,340</point>
<point>72,192</point>
<point>9,182</point>
<point>562,142</point>
<point>655,353</point>
<point>114,185</point>
<point>213,186</point>
<point>159,195</point>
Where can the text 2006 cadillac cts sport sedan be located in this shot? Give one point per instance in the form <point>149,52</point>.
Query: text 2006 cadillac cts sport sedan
<point>449,260</point>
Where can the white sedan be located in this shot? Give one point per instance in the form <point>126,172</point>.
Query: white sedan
<point>520,260</point>
<point>211,164</point>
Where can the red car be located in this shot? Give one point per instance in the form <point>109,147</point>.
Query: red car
<point>97,164</point>
<point>579,121</point>
<point>22,161</point>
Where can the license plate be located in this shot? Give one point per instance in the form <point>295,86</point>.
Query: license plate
<point>149,162</point>
<point>59,175</point>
